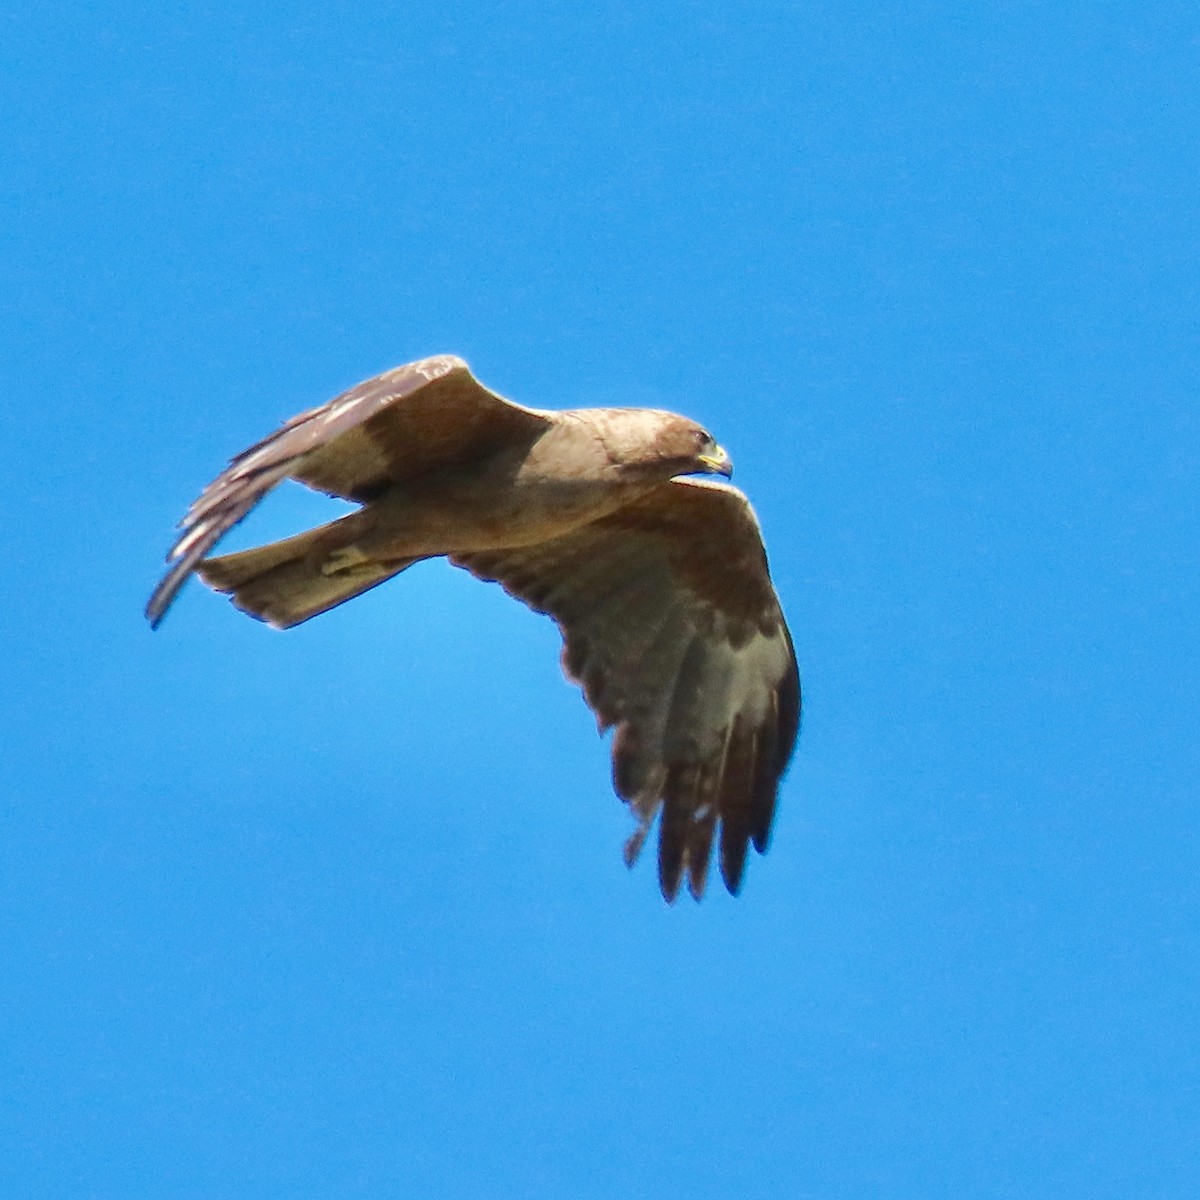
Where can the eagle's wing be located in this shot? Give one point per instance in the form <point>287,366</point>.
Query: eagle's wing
<point>391,428</point>
<point>673,630</point>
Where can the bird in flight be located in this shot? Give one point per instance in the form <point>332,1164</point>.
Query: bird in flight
<point>658,581</point>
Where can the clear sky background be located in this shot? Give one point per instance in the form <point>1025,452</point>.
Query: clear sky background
<point>342,912</point>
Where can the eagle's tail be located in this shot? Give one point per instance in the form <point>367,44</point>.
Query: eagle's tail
<point>287,582</point>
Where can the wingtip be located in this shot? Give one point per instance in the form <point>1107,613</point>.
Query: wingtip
<point>156,608</point>
<point>633,845</point>
<point>165,593</point>
<point>733,869</point>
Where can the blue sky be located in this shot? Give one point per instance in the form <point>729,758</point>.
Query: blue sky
<point>342,912</point>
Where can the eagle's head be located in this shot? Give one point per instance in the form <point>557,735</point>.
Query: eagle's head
<point>650,445</point>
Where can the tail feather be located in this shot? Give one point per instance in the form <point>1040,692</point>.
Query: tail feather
<point>291,581</point>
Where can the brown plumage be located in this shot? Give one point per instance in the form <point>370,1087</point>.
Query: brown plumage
<point>659,584</point>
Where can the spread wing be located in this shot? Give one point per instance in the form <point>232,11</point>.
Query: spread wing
<point>396,426</point>
<point>672,628</point>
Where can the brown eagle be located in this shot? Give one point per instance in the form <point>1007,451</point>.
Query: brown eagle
<point>658,582</point>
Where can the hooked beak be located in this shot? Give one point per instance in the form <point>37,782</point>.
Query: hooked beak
<point>719,463</point>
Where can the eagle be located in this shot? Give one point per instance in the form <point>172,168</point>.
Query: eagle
<point>658,580</point>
